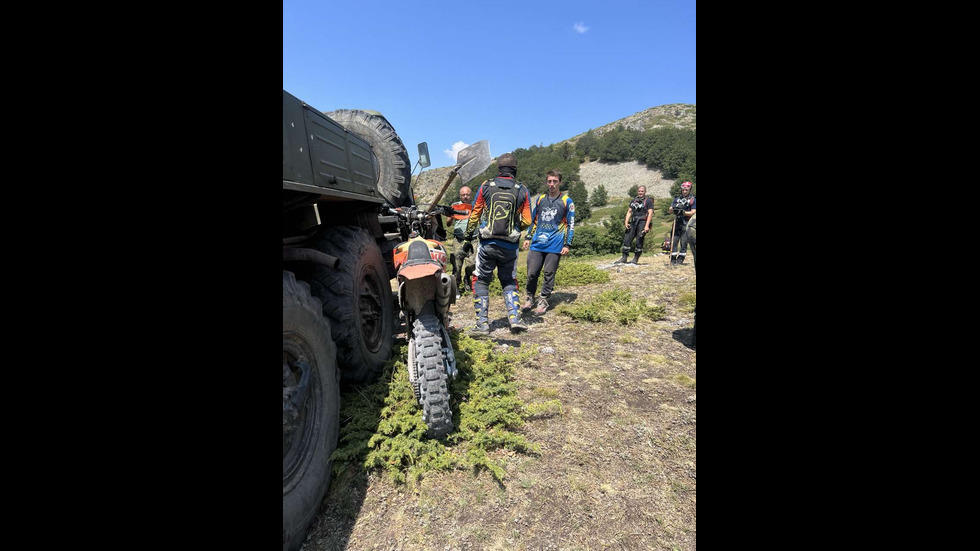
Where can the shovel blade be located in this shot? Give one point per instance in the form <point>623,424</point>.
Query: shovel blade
<point>473,160</point>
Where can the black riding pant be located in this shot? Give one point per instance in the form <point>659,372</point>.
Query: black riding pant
<point>535,261</point>
<point>635,231</point>
<point>679,243</point>
<point>491,257</point>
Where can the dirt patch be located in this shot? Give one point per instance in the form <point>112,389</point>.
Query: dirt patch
<point>617,468</point>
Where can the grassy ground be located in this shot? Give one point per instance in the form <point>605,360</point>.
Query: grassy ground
<point>611,456</point>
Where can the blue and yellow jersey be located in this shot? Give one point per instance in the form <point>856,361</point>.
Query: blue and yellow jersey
<point>552,223</point>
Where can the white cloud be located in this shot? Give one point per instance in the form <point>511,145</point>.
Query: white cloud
<point>580,27</point>
<point>457,147</point>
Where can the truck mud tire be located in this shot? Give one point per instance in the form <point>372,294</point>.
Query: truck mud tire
<point>310,410</point>
<point>433,383</point>
<point>393,165</point>
<point>356,300</point>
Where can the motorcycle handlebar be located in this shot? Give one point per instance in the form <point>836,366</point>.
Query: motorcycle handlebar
<point>413,213</point>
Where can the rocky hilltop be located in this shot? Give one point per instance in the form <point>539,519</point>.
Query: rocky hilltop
<point>677,115</point>
<point>616,177</point>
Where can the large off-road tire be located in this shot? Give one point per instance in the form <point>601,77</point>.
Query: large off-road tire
<point>393,165</point>
<point>433,381</point>
<point>309,430</point>
<point>356,300</point>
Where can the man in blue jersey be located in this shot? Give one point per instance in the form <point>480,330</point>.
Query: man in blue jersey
<point>550,238</point>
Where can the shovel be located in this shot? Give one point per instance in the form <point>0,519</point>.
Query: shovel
<point>469,162</point>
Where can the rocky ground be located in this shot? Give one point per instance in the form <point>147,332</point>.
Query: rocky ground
<point>617,468</point>
<point>618,178</point>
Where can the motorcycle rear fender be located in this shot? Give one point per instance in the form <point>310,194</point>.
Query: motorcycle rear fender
<point>419,270</point>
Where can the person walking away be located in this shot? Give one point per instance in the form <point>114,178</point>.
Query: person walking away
<point>638,218</point>
<point>683,208</point>
<point>503,205</point>
<point>458,224</point>
<point>549,238</point>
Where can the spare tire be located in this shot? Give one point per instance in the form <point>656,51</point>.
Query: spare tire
<point>391,159</point>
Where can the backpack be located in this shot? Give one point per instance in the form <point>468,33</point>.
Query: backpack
<point>501,204</point>
<point>666,244</point>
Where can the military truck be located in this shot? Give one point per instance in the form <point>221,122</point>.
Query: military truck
<point>341,172</point>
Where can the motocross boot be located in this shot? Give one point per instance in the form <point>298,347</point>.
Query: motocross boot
<point>482,328</point>
<point>512,300</point>
<point>626,251</point>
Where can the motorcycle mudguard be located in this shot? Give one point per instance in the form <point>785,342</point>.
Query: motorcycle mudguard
<point>419,270</point>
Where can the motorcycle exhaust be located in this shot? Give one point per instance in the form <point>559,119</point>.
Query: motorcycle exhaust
<point>445,293</point>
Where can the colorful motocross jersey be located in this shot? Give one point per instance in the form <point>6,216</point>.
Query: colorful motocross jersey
<point>459,221</point>
<point>553,223</point>
<point>501,210</point>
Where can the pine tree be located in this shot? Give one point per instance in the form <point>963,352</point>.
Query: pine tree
<point>599,196</point>
<point>580,195</point>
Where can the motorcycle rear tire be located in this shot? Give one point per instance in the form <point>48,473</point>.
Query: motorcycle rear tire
<point>433,381</point>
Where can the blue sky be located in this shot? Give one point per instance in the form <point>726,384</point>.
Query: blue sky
<point>514,73</point>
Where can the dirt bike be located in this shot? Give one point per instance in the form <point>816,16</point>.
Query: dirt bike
<point>426,292</point>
